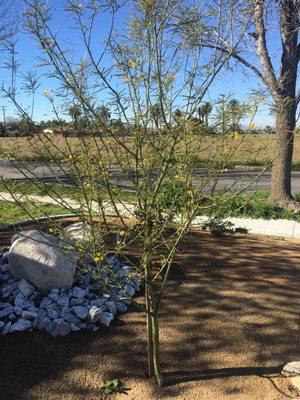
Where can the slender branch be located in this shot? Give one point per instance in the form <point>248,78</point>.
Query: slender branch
<point>269,76</point>
<point>235,55</point>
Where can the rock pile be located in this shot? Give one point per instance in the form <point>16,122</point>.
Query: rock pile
<point>85,305</point>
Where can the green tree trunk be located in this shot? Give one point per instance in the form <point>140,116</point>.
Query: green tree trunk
<point>154,368</point>
<point>149,334</point>
<point>156,352</point>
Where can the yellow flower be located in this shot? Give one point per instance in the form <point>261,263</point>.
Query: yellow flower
<point>163,261</point>
<point>235,135</point>
<point>132,64</point>
<point>70,157</point>
<point>98,257</point>
<point>177,176</point>
<point>223,170</point>
<point>225,151</point>
<point>190,192</point>
<point>122,233</point>
<point>251,125</point>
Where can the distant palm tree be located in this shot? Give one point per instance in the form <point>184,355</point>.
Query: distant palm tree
<point>207,110</point>
<point>75,112</point>
<point>104,114</point>
<point>177,115</point>
<point>235,111</point>
<point>204,111</point>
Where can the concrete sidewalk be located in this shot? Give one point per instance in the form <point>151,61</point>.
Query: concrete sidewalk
<point>273,227</point>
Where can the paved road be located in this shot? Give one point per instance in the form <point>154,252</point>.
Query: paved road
<point>236,179</point>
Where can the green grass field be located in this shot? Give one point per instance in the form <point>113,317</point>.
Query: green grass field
<point>12,213</point>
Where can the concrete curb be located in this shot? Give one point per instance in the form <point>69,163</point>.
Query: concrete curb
<point>273,227</point>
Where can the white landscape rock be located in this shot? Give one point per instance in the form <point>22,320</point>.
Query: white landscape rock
<point>111,307</point>
<point>78,293</point>
<point>292,371</point>
<point>95,313</point>
<point>88,304</point>
<point>58,327</point>
<point>43,260</point>
<point>78,233</point>
<point>106,318</point>
<point>25,288</point>
<point>81,312</point>
<point>30,315</point>
<point>21,325</point>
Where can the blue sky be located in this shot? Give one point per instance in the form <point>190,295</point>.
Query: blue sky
<point>239,82</point>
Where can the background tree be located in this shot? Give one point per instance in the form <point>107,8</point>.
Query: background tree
<point>178,114</point>
<point>104,114</point>
<point>256,20</point>
<point>221,116</point>
<point>268,129</point>
<point>157,114</point>
<point>204,112</point>
<point>75,112</point>
<point>237,111</point>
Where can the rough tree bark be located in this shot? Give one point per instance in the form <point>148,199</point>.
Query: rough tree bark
<point>283,91</point>
<point>281,191</point>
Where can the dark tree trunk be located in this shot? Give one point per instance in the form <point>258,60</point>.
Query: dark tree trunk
<point>286,105</point>
<point>281,86</point>
<point>282,167</point>
<point>283,91</point>
<point>206,121</point>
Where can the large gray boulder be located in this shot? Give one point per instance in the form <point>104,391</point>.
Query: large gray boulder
<point>43,260</point>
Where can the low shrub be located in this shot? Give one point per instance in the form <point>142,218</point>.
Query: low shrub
<point>254,205</point>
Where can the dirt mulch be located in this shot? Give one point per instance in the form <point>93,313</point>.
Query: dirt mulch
<point>229,322</point>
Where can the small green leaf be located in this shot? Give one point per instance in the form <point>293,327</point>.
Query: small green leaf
<point>114,386</point>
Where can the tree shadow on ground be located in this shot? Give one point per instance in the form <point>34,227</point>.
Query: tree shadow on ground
<point>174,377</point>
<point>231,309</point>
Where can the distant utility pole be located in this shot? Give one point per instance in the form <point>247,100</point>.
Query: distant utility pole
<point>4,119</point>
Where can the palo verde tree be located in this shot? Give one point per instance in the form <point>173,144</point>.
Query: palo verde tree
<point>266,25</point>
<point>152,64</point>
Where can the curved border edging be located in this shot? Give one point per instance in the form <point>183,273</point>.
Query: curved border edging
<point>26,222</point>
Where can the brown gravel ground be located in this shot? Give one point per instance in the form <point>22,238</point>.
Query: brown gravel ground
<point>229,322</point>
